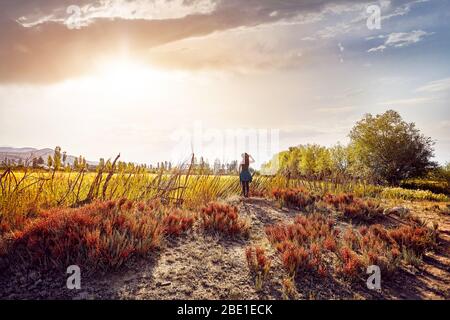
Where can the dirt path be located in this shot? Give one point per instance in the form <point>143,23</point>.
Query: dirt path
<point>207,266</point>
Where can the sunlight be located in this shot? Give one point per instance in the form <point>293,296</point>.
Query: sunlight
<point>128,76</point>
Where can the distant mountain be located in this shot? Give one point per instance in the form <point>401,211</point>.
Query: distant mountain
<point>27,154</point>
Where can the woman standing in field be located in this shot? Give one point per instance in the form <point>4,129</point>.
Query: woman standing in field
<point>245,176</point>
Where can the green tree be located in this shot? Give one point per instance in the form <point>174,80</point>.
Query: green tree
<point>101,164</point>
<point>64,158</point>
<point>390,148</point>
<point>50,161</point>
<point>57,158</point>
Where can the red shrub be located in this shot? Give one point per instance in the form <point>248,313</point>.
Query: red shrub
<point>257,261</point>
<point>177,222</point>
<point>330,244</point>
<point>354,208</point>
<point>257,193</point>
<point>223,218</point>
<point>338,200</point>
<point>99,235</point>
<point>417,239</point>
<point>298,198</point>
<point>351,265</point>
<point>258,264</point>
<point>301,244</point>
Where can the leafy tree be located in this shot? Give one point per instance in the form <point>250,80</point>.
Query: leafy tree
<point>50,161</point>
<point>57,158</point>
<point>101,164</point>
<point>390,148</point>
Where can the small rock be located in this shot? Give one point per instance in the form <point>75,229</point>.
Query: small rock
<point>164,284</point>
<point>400,211</point>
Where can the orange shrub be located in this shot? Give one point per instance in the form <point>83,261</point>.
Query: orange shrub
<point>258,264</point>
<point>298,198</point>
<point>301,244</point>
<point>257,261</point>
<point>261,193</point>
<point>354,208</point>
<point>177,222</point>
<point>415,238</point>
<point>224,219</point>
<point>312,244</point>
<point>351,265</point>
<point>101,235</point>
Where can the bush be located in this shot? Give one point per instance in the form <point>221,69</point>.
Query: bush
<point>354,208</point>
<point>414,238</point>
<point>405,194</point>
<point>437,187</point>
<point>102,235</point>
<point>351,266</point>
<point>258,264</point>
<point>223,218</point>
<point>177,222</point>
<point>387,247</point>
<point>301,244</point>
<point>312,244</point>
<point>297,198</point>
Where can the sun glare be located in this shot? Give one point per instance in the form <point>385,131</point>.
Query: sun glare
<point>126,75</point>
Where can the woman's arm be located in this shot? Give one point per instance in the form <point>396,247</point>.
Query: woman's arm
<point>250,159</point>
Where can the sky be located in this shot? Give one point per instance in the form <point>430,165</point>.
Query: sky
<point>158,79</point>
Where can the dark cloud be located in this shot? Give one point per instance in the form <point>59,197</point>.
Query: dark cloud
<point>51,52</point>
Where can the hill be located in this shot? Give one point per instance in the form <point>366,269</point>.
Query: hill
<point>26,154</point>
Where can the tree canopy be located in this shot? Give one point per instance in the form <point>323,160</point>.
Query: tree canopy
<point>390,148</point>
<point>383,149</point>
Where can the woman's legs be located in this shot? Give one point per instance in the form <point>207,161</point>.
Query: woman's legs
<point>245,188</point>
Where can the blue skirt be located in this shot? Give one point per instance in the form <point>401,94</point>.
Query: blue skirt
<point>245,176</point>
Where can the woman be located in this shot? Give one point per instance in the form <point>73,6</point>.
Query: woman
<point>245,176</point>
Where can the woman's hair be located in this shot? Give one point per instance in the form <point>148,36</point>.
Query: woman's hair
<point>246,159</point>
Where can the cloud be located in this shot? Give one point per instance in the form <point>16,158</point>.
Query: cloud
<point>86,13</point>
<point>219,52</point>
<point>407,102</point>
<point>436,86</point>
<point>379,48</point>
<point>401,39</point>
<point>37,44</point>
